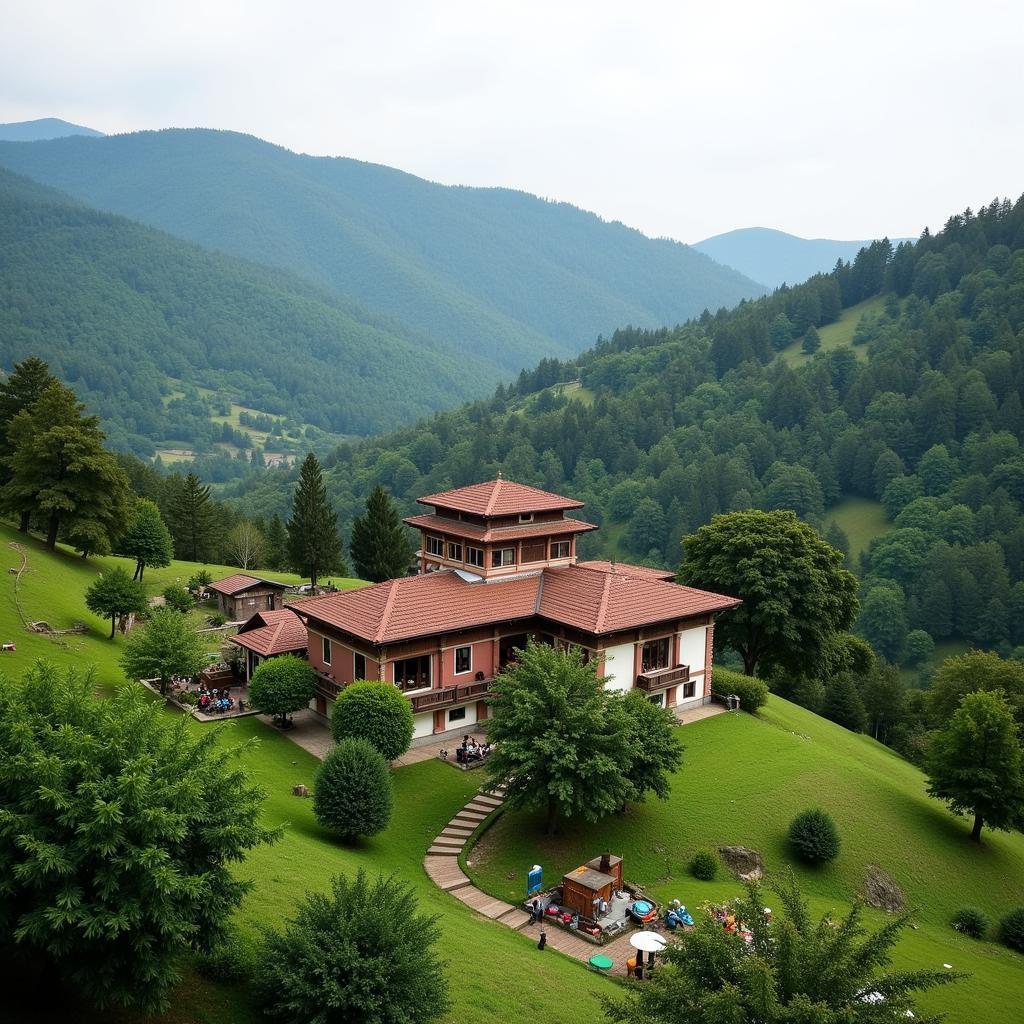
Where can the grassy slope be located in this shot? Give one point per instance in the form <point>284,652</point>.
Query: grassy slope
<point>837,334</point>
<point>861,519</point>
<point>743,781</point>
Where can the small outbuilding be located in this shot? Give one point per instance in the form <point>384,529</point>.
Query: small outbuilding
<point>608,864</point>
<point>269,634</point>
<point>240,596</point>
<point>583,890</point>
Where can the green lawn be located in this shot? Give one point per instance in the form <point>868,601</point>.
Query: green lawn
<point>861,519</point>
<point>837,334</point>
<point>743,781</point>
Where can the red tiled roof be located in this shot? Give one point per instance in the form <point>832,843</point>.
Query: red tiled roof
<point>499,498</point>
<point>269,633</point>
<point>239,582</point>
<point>622,569</point>
<point>486,535</point>
<point>583,597</point>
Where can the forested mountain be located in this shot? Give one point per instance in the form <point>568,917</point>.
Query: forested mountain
<point>116,308</point>
<point>658,430</point>
<point>42,128</point>
<point>774,258</point>
<point>495,273</point>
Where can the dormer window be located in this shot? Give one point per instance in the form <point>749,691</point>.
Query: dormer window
<point>526,517</point>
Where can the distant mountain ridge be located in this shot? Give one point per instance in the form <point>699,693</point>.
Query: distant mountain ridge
<point>43,128</point>
<point>502,275</point>
<point>773,257</point>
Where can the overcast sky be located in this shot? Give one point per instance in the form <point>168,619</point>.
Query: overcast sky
<point>827,118</point>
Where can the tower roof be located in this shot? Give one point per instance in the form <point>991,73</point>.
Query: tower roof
<point>500,498</point>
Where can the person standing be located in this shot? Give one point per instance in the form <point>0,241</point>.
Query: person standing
<point>543,941</point>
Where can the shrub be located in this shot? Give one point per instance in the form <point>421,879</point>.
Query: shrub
<point>813,836</point>
<point>752,692</point>
<point>704,865</point>
<point>177,598</point>
<point>971,921</point>
<point>282,686</point>
<point>352,790</point>
<point>376,712</point>
<point>187,697</point>
<point>232,958</point>
<point>1011,930</point>
<point>199,580</point>
<point>374,959</point>
<point>217,619</point>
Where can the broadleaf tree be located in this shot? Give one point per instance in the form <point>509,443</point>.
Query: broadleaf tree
<point>167,646</point>
<point>147,539</point>
<point>114,595</point>
<point>281,686</point>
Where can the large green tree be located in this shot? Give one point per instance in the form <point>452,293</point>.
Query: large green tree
<point>147,539</point>
<point>656,749</point>
<point>976,764</point>
<point>314,547</point>
<point>380,545</point>
<point>114,595</point>
<point>794,971</point>
<point>120,831</point>
<point>796,593</point>
<point>18,391</point>
<point>167,646</point>
<point>364,952</point>
<point>60,471</point>
<point>563,742</point>
<point>967,673</point>
<point>192,518</point>
<point>281,686</point>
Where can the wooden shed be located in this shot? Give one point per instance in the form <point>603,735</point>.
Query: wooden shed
<point>608,864</point>
<point>582,887</point>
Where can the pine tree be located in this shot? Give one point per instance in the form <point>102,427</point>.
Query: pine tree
<point>811,342</point>
<point>844,705</point>
<point>380,547</point>
<point>191,519</point>
<point>276,544</point>
<point>147,540</point>
<point>314,547</point>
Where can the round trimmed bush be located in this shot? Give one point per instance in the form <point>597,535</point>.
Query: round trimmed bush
<point>281,686</point>
<point>1011,930</point>
<point>813,836</point>
<point>376,712</point>
<point>753,693</point>
<point>352,790</point>
<point>971,921</point>
<point>704,865</point>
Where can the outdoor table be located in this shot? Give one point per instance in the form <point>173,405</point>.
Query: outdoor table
<point>602,963</point>
<point>649,943</point>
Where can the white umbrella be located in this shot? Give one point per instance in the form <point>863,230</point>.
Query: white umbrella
<point>647,942</point>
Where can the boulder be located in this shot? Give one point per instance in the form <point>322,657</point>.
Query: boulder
<point>300,790</point>
<point>882,891</point>
<point>744,863</point>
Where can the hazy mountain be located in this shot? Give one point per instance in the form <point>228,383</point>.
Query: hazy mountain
<point>43,128</point>
<point>495,272</point>
<point>774,257</point>
<point>117,308</point>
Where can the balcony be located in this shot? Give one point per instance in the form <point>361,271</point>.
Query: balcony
<point>660,678</point>
<point>448,695</point>
<point>326,687</point>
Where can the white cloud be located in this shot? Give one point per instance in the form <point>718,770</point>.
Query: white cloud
<point>841,119</point>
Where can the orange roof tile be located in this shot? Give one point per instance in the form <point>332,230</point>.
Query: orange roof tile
<point>642,572</point>
<point>487,535</point>
<point>499,498</point>
<point>273,632</point>
<point>241,581</point>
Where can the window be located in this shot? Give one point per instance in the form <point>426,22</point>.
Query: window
<point>657,698</point>
<point>457,715</point>
<point>358,666</point>
<point>412,673</point>
<point>475,556</point>
<point>435,546</point>
<point>526,517</point>
<point>560,549</point>
<point>327,651</point>
<point>455,552</point>
<point>463,660</point>
<point>655,654</point>
<point>270,602</point>
<point>689,690</point>
<point>503,556</point>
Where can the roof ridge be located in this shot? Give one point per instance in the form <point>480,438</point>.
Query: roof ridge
<point>494,496</point>
<point>602,610</point>
<point>540,594</point>
<point>385,615</point>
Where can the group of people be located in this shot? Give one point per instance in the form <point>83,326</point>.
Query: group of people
<point>215,701</point>
<point>469,752</point>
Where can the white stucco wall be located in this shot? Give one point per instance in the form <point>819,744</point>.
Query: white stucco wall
<point>692,646</point>
<point>422,725</point>
<point>470,718</point>
<point>618,662</point>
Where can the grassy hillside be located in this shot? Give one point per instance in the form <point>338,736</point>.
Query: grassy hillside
<point>499,274</point>
<point>125,314</point>
<point>836,334</point>
<point>743,780</point>
<point>861,519</point>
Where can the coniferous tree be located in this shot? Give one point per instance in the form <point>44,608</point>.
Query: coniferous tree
<point>844,704</point>
<point>191,519</point>
<point>276,544</point>
<point>380,546</point>
<point>147,539</point>
<point>314,547</point>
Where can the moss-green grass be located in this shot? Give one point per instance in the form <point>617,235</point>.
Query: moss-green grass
<point>743,781</point>
<point>836,334</point>
<point>861,519</point>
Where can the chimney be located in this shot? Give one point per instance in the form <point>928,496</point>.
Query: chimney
<point>606,863</point>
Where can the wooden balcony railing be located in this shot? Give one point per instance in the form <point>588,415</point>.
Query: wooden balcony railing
<point>660,678</point>
<point>328,687</point>
<point>449,695</point>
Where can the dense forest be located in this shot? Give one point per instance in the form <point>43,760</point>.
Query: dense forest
<point>489,273</point>
<point>658,430</point>
<point>117,308</point>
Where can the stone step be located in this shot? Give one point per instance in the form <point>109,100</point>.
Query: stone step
<point>445,873</point>
<point>482,903</point>
<point>478,808</point>
<point>444,851</point>
<point>514,918</point>
<point>488,801</point>
<point>443,840</point>
<point>453,830</point>
<point>467,823</point>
